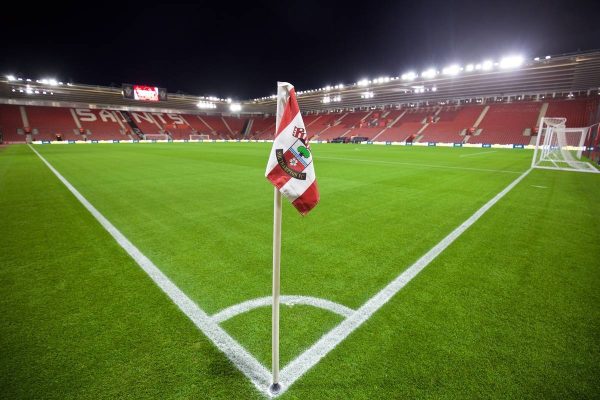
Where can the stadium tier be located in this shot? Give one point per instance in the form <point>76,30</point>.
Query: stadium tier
<point>494,123</point>
<point>496,105</point>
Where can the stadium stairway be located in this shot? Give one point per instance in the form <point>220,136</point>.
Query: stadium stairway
<point>453,120</point>
<point>507,123</point>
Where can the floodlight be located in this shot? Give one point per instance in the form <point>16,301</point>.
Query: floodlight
<point>409,76</point>
<point>487,65</point>
<point>511,62</point>
<point>548,57</point>
<point>451,70</point>
<point>429,73</point>
<point>235,107</point>
<point>10,78</point>
<point>363,82</point>
<point>469,67</point>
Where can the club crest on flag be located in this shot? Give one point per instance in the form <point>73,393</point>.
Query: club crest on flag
<point>297,157</point>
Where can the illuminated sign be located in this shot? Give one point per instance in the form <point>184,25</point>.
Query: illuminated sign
<point>144,93</point>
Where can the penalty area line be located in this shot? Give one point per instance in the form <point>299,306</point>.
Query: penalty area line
<point>236,353</point>
<point>419,165</point>
<point>476,154</point>
<point>296,368</point>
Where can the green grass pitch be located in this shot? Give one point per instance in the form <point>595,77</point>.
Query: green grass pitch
<point>509,310</point>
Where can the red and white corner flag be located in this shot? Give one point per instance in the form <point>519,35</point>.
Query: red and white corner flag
<point>291,168</point>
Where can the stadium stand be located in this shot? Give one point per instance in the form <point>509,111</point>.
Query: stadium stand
<point>502,123</point>
<point>324,122</point>
<point>263,128</point>
<point>146,123</point>
<point>10,122</point>
<point>452,124</point>
<point>52,122</point>
<point>507,123</point>
<point>198,126</point>
<point>101,124</point>
<point>175,125</point>
<point>578,112</point>
<point>409,124</point>
<point>217,126</point>
<point>235,125</point>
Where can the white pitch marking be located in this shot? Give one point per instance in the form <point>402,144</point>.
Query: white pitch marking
<point>296,368</point>
<point>255,371</point>
<point>239,356</point>
<point>246,306</point>
<point>419,165</point>
<point>541,187</point>
<point>477,154</point>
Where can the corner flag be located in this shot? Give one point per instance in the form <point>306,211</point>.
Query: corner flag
<point>290,168</point>
<point>292,172</point>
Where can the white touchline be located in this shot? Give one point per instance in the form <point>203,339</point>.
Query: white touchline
<point>244,361</point>
<point>239,356</point>
<point>476,154</point>
<point>419,165</point>
<point>296,368</point>
<point>249,305</point>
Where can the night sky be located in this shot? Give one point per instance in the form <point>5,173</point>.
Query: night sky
<point>227,50</point>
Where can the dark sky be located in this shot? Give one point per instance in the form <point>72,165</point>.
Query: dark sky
<point>240,51</point>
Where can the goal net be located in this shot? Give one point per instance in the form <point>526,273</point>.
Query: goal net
<point>156,136</point>
<point>199,137</point>
<point>561,148</point>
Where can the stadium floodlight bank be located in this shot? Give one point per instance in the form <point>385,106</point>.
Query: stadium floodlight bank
<point>560,148</point>
<point>156,136</point>
<point>199,137</point>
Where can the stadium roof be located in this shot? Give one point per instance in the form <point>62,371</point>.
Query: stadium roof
<point>508,77</point>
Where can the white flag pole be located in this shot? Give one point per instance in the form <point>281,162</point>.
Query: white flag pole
<point>282,96</point>
<point>275,387</point>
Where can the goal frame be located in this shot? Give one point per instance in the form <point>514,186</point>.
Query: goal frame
<point>550,129</point>
<point>198,136</point>
<point>156,136</point>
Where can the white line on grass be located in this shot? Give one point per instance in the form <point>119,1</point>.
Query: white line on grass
<point>244,361</point>
<point>419,165</point>
<point>330,340</point>
<point>246,306</point>
<point>255,371</point>
<point>477,154</point>
<point>539,187</point>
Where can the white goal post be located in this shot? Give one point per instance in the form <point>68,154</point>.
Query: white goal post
<point>199,137</point>
<point>560,148</point>
<point>156,136</point>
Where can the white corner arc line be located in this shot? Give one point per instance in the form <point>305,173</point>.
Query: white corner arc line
<point>249,305</point>
<point>236,353</point>
<point>296,368</point>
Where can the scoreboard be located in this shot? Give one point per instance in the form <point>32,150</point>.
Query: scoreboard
<point>144,92</point>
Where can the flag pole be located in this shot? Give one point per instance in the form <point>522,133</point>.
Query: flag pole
<point>275,387</point>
